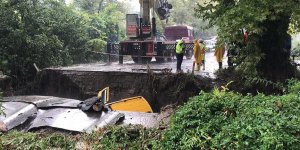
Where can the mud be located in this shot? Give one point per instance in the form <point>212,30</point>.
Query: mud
<point>160,89</point>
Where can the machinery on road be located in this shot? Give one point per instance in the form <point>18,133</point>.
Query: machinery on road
<point>143,42</point>
<point>184,32</point>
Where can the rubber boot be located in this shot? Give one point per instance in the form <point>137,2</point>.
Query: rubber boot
<point>220,65</point>
<point>197,67</point>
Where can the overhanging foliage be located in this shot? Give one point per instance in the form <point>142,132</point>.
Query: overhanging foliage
<point>267,22</point>
<point>50,33</point>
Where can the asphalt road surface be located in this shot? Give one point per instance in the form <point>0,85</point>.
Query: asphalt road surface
<point>130,66</point>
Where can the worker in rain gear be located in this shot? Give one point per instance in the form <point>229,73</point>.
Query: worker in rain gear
<point>203,49</point>
<point>219,53</point>
<point>179,54</point>
<point>197,55</point>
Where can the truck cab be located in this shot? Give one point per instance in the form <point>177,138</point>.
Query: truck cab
<point>173,33</point>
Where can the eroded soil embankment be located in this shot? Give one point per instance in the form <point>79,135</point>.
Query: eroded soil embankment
<point>158,88</point>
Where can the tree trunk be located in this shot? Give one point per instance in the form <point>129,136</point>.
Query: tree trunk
<point>275,45</point>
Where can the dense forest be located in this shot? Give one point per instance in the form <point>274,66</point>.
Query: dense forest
<point>51,33</point>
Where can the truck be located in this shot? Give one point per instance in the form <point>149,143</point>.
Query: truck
<point>184,32</point>
<point>142,43</point>
<point>175,32</point>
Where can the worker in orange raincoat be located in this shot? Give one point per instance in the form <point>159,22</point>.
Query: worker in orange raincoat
<point>219,53</point>
<point>197,55</point>
<point>203,49</point>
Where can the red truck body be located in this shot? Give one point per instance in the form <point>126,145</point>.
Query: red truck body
<point>142,44</point>
<point>173,33</point>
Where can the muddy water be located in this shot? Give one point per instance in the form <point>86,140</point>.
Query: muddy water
<point>160,89</point>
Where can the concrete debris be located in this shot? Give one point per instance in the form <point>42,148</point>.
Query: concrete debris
<point>16,113</point>
<point>28,113</point>
<point>74,119</point>
<point>164,70</point>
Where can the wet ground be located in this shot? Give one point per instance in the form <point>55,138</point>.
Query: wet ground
<point>130,66</point>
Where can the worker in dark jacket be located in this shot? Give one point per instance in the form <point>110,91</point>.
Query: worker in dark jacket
<point>179,54</point>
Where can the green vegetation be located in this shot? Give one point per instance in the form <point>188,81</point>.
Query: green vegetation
<point>267,22</point>
<point>216,120</point>
<point>50,33</point>
<point>225,120</point>
<point>133,137</point>
<point>182,13</point>
<point>27,141</point>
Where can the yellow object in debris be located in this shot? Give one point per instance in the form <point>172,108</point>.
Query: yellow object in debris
<point>134,104</point>
<point>103,95</point>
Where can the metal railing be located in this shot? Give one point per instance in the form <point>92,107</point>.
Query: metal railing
<point>113,51</point>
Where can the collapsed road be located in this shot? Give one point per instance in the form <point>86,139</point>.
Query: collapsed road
<point>28,113</point>
<point>64,88</point>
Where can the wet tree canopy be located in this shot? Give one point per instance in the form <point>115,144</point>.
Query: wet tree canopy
<point>267,53</point>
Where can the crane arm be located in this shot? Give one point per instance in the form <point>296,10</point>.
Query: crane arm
<point>161,7</point>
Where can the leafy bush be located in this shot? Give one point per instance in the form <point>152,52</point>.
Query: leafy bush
<point>225,120</point>
<point>245,85</point>
<point>50,33</point>
<point>294,86</point>
<point>128,137</point>
<point>47,33</point>
<point>110,138</point>
<point>28,141</point>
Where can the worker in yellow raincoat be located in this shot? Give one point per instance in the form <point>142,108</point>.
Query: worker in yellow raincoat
<point>219,53</point>
<point>197,55</point>
<point>203,49</point>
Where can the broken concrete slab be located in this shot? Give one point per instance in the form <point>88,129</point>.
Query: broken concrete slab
<point>16,113</point>
<point>33,112</point>
<point>148,120</point>
<point>44,101</point>
<point>74,119</point>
